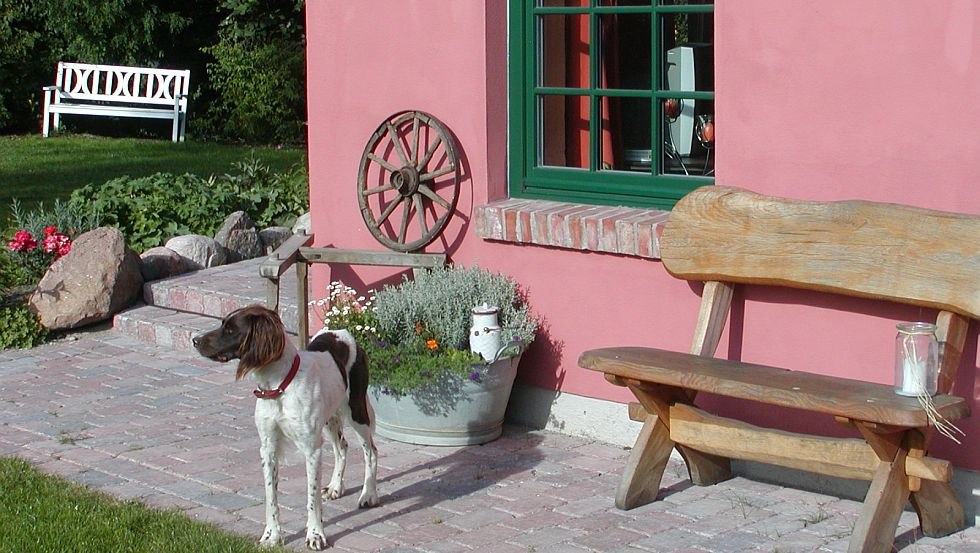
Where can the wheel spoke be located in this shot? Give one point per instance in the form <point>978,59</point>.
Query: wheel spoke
<point>438,172</point>
<point>415,139</point>
<point>398,143</point>
<point>387,212</point>
<point>403,229</point>
<point>382,162</point>
<point>429,193</point>
<point>417,198</point>
<point>430,152</point>
<point>378,190</point>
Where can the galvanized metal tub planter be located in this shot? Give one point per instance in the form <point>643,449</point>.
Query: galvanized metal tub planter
<point>451,411</point>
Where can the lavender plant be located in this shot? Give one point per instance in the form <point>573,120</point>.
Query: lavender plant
<point>416,334</point>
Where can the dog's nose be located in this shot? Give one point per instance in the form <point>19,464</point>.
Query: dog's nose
<point>196,340</point>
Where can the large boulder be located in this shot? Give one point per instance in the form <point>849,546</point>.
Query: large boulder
<point>303,224</point>
<point>273,237</point>
<point>99,277</point>
<point>162,262</point>
<point>239,238</point>
<point>199,252</point>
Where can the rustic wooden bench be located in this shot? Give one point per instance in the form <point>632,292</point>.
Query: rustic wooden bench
<point>117,91</point>
<point>726,237</point>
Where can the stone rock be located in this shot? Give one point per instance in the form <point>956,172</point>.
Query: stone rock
<point>162,262</point>
<point>198,251</point>
<point>303,224</point>
<point>99,277</point>
<point>273,237</point>
<point>239,237</point>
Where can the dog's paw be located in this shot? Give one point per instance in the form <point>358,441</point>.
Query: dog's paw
<point>272,537</point>
<point>333,492</point>
<point>316,541</point>
<point>368,500</point>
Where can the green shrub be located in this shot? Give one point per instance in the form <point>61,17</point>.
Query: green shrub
<point>70,219</point>
<point>260,85</point>
<point>151,210</point>
<point>19,327</point>
<point>11,273</point>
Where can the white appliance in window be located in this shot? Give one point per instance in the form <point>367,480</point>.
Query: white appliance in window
<point>686,67</point>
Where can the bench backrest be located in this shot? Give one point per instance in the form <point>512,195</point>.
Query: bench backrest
<point>116,83</point>
<point>857,248</point>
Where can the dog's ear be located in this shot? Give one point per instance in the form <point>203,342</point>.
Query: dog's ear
<point>264,341</point>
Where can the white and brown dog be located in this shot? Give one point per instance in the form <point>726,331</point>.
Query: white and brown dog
<point>301,394</point>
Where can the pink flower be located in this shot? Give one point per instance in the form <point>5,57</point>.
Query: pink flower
<point>49,230</point>
<point>56,243</point>
<point>22,242</point>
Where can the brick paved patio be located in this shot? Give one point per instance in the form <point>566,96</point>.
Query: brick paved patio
<point>142,421</point>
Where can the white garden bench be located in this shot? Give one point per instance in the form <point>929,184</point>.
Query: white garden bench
<point>117,91</point>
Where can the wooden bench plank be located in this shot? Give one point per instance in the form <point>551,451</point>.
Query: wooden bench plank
<point>856,248</point>
<point>853,399</point>
<point>840,457</point>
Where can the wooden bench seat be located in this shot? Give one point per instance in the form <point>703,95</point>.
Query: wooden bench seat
<point>853,399</point>
<point>727,237</point>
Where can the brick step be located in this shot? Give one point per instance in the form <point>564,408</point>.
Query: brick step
<point>214,292</point>
<point>162,326</point>
<point>177,308</point>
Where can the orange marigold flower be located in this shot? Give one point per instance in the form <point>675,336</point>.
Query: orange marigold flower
<point>432,344</point>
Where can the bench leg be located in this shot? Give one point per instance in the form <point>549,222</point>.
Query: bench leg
<point>648,459</point>
<point>875,529</point>
<point>645,466</point>
<point>705,469</point>
<point>940,512</point>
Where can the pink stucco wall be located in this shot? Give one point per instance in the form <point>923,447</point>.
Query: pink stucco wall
<point>814,100</point>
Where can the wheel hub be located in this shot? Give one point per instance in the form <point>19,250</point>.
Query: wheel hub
<point>406,180</point>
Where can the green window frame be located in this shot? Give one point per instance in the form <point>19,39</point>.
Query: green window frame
<point>657,185</point>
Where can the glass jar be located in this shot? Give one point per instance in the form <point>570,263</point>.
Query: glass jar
<point>916,359</point>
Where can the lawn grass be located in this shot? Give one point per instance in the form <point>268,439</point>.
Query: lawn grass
<point>41,513</point>
<point>35,169</point>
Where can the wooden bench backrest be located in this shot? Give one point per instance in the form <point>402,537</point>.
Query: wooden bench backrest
<point>856,248</point>
<point>113,83</point>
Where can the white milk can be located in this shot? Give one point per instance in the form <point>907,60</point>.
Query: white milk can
<point>485,332</point>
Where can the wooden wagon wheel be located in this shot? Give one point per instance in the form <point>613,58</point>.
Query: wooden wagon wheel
<point>409,170</point>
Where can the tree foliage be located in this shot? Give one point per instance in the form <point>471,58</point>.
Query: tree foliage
<point>259,73</point>
<point>246,57</point>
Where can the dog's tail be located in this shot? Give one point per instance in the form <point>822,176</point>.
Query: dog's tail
<point>352,362</point>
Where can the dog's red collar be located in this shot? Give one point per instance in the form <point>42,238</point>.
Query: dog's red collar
<point>274,394</point>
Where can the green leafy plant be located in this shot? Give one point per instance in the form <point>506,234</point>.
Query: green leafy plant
<point>416,334</point>
<point>19,327</point>
<point>150,210</point>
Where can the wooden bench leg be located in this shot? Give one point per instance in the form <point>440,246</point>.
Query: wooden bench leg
<point>645,467</point>
<point>940,512</point>
<point>875,529</point>
<point>648,459</point>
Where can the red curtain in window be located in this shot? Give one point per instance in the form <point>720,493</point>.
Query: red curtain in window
<point>577,139</point>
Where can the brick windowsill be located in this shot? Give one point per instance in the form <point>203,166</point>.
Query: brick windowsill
<point>618,230</point>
